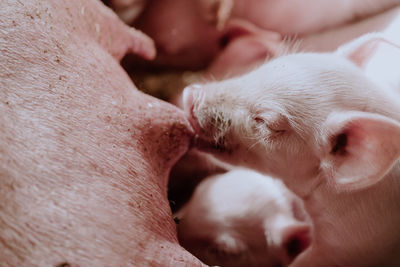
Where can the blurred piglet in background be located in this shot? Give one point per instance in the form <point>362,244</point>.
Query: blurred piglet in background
<point>230,37</point>
<point>243,218</point>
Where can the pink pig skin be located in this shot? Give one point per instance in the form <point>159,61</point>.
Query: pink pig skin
<point>84,156</point>
<point>331,39</point>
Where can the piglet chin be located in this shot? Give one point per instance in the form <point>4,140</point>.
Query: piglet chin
<point>209,146</point>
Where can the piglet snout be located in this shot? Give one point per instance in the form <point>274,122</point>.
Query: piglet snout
<point>296,239</point>
<point>190,97</point>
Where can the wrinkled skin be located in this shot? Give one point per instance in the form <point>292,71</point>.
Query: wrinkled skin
<point>327,124</point>
<point>84,156</point>
<point>243,218</point>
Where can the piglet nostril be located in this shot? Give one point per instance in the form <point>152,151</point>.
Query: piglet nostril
<point>297,242</point>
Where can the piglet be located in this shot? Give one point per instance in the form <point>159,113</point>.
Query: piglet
<point>243,218</point>
<point>328,124</point>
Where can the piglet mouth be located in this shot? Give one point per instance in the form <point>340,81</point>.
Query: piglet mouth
<point>205,131</point>
<point>204,138</point>
<point>210,146</point>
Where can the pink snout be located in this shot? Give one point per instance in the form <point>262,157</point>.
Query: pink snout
<point>190,97</point>
<point>295,241</point>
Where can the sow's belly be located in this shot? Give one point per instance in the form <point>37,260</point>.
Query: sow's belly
<point>84,156</point>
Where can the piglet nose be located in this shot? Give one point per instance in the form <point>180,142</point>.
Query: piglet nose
<point>188,97</point>
<point>296,240</point>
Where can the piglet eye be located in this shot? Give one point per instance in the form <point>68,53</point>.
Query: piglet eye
<point>259,120</point>
<point>261,123</point>
<point>274,127</point>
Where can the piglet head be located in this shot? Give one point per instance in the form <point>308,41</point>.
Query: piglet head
<point>306,118</point>
<point>239,124</point>
<point>243,218</point>
<point>221,123</point>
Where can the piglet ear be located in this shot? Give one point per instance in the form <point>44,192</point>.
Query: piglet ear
<point>378,55</point>
<point>361,50</point>
<point>360,149</point>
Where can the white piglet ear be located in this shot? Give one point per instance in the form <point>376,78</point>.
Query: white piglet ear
<point>360,149</point>
<point>378,55</point>
<point>362,49</point>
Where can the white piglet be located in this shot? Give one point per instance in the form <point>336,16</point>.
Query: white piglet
<point>243,218</point>
<point>328,124</point>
